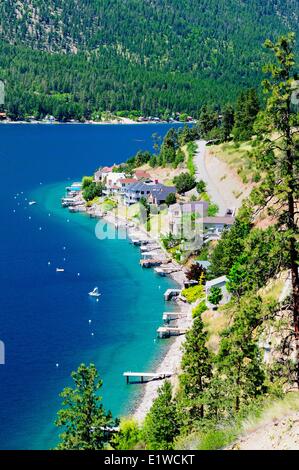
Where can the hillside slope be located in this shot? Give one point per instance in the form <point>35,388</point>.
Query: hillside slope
<point>148,55</point>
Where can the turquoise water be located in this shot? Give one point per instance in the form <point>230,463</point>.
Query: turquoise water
<point>45,315</point>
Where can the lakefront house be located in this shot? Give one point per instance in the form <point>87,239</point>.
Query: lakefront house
<point>178,213</point>
<point>154,192</point>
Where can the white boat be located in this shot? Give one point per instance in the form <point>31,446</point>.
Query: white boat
<point>31,203</point>
<point>95,292</point>
<point>59,270</point>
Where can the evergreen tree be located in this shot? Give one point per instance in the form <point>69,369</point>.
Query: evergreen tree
<point>161,423</point>
<point>278,159</point>
<point>238,360</point>
<point>247,109</point>
<point>215,296</point>
<point>208,120</point>
<point>83,416</point>
<point>228,120</point>
<point>196,370</point>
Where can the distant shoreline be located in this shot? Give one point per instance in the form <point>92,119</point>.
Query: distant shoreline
<point>94,123</point>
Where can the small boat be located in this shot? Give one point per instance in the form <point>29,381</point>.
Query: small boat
<point>59,270</point>
<point>31,203</point>
<point>95,292</point>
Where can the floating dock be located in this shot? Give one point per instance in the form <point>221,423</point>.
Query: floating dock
<point>167,331</point>
<point>146,375</point>
<point>170,293</point>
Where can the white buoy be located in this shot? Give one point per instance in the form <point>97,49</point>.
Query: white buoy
<point>63,247</point>
<point>14,210</point>
<point>89,321</point>
<point>97,300</point>
<point>78,274</point>
<point>39,228</point>
<point>68,220</point>
<point>49,262</point>
<point>29,217</point>
<point>92,334</point>
<point>57,365</point>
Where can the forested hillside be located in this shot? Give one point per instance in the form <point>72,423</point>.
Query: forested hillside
<point>73,57</point>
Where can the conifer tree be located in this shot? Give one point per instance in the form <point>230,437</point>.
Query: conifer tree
<point>161,423</point>
<point>83,417</point>
<point>196,368</point>
<point>238,360</point>
<point>277,155</point>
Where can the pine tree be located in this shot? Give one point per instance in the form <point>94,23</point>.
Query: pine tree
<point>83,416</point>
<point>238,360</point>
<point>196,368</point>
<point>277,155</point>
<point>228,120</point>
<point>161,423</point>
<point>247,109</point>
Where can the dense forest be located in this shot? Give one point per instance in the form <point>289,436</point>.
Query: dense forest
<point>75,58</point>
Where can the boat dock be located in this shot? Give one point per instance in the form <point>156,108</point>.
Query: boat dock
<point>146,375</point>
<point>167,331</point>
<point>170,293</point>
<point>149,263</point>
<point>169,316</point>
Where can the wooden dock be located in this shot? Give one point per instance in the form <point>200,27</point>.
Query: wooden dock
<point>167,331</point>
<point>146,375</point>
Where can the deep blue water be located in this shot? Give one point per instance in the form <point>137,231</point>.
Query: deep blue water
<point>45,315</point>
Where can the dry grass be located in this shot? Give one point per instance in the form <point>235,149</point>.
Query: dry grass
<point>215,321</point>
<point>274,287</point>
<point>164,175</point>
<point>237,158</point>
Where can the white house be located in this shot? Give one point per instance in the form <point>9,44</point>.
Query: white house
<point>220,282</point>
<point>178,213</point>
<point>217,223</point>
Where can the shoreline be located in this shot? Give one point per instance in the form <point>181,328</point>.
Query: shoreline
<point>171,359</point>
<point>94,123</point>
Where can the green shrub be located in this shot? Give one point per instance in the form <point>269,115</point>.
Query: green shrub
<point>193,293</point>
<point>216,439</point>
<point>129,435</point>
<point>201,308</point>
<point>213,210</point>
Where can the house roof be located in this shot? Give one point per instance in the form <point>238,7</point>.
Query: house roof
<point>142,174</point>
<point>127,180</point>
<point>161,193</point>
<point>141,186</point>
<point>190,207</point>
<point>216,281</point>
<point>106,169</point>
<point>205,264</point>
<point>226,220</point>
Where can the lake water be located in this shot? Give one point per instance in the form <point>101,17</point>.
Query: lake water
<point>45,315</point>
